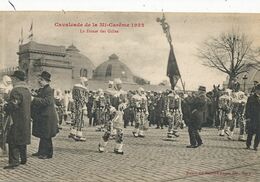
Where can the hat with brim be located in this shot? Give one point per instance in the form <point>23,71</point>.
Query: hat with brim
<point>202,88</point>
<point>45,75</point>
<point>19,74</point>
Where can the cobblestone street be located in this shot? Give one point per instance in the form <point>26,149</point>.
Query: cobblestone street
<point>145,159</point>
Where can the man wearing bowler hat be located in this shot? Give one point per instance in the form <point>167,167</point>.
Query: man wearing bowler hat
<point>45,121</point>
<point>198,105</point>
<point>252,115</point>
<point>19,108</point>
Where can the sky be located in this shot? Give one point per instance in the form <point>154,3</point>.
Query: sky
<point>144,50</point>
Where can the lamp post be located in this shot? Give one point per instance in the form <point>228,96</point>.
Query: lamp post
<point>244,78</point>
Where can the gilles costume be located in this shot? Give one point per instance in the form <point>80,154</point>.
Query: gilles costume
<point>174,114</point>
<point>5,89</point>
<point>225,114</point>
<point>99,110</point>
<point>80,97</point>
<point>115,124</point>
<point>141,113</point>
<point>239,100</point>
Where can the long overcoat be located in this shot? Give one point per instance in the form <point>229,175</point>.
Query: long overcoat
<point>45,121</point>
<point>19,108</point>
<point>253,113</point>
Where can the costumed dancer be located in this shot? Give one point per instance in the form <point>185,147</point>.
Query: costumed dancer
<point>225,114</point>
<point>238,114</point>
<point>99,106</point>
<point>5,89</point>
<point>141,113</point>
<point>118,95</point>
<point>58,98</point>
<point>80,97</point>
<point>174,114</point>
<point>242,120</point>
<point>115,123</point>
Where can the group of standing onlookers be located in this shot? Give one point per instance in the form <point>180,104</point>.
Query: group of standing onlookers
<point>22,106</point>
<point>47,110</point>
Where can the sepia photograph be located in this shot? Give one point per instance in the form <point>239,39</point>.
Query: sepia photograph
<point>129,96</point>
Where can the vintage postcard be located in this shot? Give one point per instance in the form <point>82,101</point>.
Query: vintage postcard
<point>159,60</point>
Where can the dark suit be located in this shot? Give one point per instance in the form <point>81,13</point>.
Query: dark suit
<point>19,135</point>
<point>252,113</point>
<point>45,121</point>
<point>198,106</point>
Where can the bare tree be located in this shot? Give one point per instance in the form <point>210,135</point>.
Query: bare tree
<point>231,53</point>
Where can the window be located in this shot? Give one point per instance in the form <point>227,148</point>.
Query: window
<point>109,71</point>
<point>83,72</point>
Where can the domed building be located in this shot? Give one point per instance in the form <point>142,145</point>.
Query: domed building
<point>81,64</point>
<point>113,68</point>
<point>66,65</point>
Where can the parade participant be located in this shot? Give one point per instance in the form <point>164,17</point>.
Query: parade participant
<point>80,97</point>
<point>58,97</point>
<point>66,105</point>
<point>99,108</point>
<point>198,107</point>
<point>174,114</point>
<point>225,114</point>
<point>110,89</point>
<point>141,113</point>
<point>45,121</point>
<point>161,109</point>
<point>235,85</point>
<point>241,116</point>
<point>253,115</point>
<point>5,89</point>
<point>129,113</point>
<point>89,108</point>
<point>151,108</point>
<point>237,106</point>
<point>118,94</point>
<point>19,107</point>
<point>115,123</point>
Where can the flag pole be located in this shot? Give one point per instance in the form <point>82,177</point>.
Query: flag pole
<point>166,30</point>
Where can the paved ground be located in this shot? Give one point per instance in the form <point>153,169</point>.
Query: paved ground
<point>145,159</point>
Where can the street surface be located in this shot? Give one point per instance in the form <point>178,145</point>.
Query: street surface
<point>145,159</point>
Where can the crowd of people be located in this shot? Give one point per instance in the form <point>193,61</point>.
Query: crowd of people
<point>113,109</point>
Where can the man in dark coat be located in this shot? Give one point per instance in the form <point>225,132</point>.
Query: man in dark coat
<point>44,117</point>
<point>253,115</point>
<point>19,107</point>
<point>198,108</point>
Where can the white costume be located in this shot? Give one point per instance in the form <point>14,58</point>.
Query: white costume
<point>141,113</point>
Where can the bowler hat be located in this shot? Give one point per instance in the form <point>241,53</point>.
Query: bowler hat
<point>19,74</point>
<point>46,76</point>
<point>202,88</point>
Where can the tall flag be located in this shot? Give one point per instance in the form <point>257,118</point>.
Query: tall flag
<point>172,69</point>
<point>31,32</point>
<point>21,38</point>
